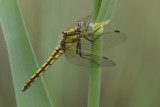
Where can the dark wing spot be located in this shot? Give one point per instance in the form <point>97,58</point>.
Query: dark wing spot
<point>117,31</point>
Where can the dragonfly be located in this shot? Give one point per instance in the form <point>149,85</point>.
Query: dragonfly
<point>74,43</point>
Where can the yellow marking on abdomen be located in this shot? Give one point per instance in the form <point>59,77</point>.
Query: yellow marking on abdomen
<point>55,54</point>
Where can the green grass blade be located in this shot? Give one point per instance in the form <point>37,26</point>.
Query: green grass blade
<point>104,12</point>
<point>22,59</point>
<point>97,6</point>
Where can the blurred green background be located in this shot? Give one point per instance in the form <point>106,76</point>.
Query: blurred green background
<point>134,82</point>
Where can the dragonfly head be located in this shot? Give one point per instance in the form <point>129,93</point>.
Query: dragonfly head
<point>89,28</point>
<point>90,25</point>
<point>83,26</point>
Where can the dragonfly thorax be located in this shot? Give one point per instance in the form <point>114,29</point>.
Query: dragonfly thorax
<point>67,41</point>
<point>83,26</point>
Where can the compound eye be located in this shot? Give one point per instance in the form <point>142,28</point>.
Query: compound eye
<point>82,24</point>
<point>90,25</point>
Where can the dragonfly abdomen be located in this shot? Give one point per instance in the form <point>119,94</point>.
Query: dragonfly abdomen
<point>57,52</point>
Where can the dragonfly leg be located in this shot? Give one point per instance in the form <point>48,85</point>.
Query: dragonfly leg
<point>78,51</point>
<point>92,40</point>
<point>82,55</point>
<point>97,29</point>
<point>88,39</point>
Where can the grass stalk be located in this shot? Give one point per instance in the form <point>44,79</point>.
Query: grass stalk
<point>22,60</point>
<point>102,11</point>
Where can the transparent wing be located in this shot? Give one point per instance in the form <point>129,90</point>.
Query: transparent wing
<point>110,39</point>
<point>113,38</point>
<point>87,19</point>
<point>85,58</point>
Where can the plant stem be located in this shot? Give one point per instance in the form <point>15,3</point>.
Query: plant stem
<point>21,57</point>
<point>95,70</point>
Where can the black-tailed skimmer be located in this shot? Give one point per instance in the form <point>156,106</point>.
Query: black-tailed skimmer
<point>71,43</point>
